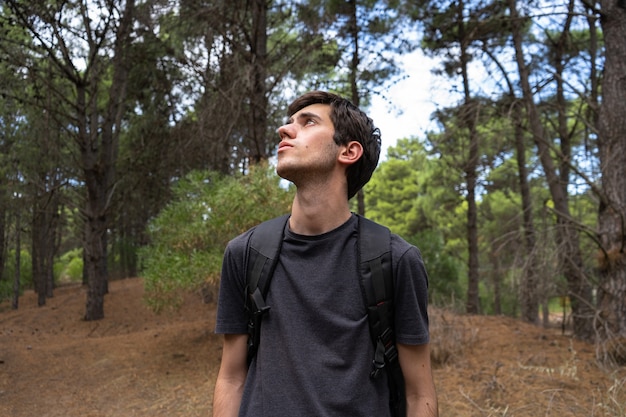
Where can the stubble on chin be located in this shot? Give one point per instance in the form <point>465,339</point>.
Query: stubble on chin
<point>302,170</point>
<point>285,171</point>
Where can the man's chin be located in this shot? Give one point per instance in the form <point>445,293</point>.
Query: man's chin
<point>283,171</point>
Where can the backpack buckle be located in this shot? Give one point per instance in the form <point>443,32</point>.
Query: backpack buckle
<point>256,308</point>
<point>386,352</point>
<point>377,369</point>
<point>378,363</point>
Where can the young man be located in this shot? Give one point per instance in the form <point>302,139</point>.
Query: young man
<point>315,354</point>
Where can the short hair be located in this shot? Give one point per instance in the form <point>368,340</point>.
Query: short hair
<point>351,124</point>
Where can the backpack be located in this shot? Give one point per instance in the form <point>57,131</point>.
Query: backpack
<point>376,279</point>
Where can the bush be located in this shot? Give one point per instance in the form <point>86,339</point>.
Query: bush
<point>26,274</point>
<point>444,288</point>
<point>189,236</point>
<point>69,267</point>
<point>6,290</point>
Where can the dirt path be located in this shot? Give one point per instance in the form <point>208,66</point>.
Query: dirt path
<point>132,363</point>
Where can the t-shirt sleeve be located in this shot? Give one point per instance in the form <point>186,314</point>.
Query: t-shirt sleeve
<point>231,314</point>
<point>411,295</point>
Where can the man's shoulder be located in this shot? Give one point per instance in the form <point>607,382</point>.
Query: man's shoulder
<point>397,241</point>
<point>240,242</point>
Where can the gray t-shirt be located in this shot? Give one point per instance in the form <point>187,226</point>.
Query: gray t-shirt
<point>315,353</point>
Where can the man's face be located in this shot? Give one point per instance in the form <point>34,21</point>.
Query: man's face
<point>307,146</point>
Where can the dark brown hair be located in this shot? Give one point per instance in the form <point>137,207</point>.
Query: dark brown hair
<point>351,124</point>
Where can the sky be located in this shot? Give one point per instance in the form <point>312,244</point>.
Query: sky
<point>406,109</point>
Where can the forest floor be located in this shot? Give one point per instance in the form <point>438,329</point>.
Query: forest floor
<point>137,363</point>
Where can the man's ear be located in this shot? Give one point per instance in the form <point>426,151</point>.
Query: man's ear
<point>350,153</point>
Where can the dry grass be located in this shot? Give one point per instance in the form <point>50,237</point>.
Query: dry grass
<point>495,366</point>
<point>136,363</point>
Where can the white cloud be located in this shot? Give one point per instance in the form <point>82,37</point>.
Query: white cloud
<point>404,110</point>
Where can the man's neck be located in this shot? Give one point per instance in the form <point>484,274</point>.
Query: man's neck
<point>317,213</point>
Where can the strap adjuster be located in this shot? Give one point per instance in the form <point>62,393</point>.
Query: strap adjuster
<point>385,352</point>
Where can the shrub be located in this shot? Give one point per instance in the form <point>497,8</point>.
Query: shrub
<point>444,288</point>
<point>69,267</point>
<point>189,236</point>
<point>26,274</point>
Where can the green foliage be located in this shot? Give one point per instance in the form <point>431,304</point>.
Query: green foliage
<point>413,195</point>
<point>189,236</point>
<point>412,191</point>
<point>507,299</point>
<point>69,266</point>
<point>444,286</point>
<point>26,274</point>
<point>6,290</point>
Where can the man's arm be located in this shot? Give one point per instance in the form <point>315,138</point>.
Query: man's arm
<point>421,397</point>
<point>231,376</point>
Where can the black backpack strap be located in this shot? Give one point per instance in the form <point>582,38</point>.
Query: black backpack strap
<point>374,252</point>
<point>261,258</point>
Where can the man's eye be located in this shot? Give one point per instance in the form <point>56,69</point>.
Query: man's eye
<point>309,122</point>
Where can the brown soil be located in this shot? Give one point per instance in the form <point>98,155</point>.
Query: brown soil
<point>137,363</point>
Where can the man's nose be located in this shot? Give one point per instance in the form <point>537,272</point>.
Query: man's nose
<point>286,131</point>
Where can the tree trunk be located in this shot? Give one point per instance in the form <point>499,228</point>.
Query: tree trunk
<point>95,257</point>
<point>353,77</point>
<point>567,235</point>
<point>559,52</point>
<point>99,149</point>
<point>473,301</point>
<point>18,260</point>
<point>39,247</point>
<point>3,239</point>
<point>258,96</point>
<point>497,281</point>
<point>44,235</point>
<point>53,239</point>
<point>530,281</point>
<point>529,285</point>
<point>612,212</point>
<point>470,111</point>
